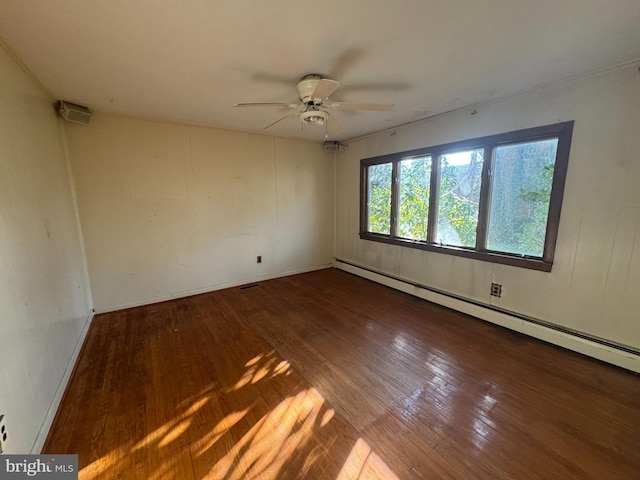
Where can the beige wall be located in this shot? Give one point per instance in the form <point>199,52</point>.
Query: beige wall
<point>595,283</point>
<point>169,210</point>
<point>44,293</point>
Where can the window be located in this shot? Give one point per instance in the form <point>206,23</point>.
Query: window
<point>494,198</point>
<point>520,197</point>
<point>459,197</point>
<point>379,181</point>
<point>413,193</point>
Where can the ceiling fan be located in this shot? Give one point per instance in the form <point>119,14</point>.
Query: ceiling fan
<point>313,94</point>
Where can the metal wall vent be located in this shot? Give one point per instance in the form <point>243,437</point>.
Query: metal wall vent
<point>74,113</point>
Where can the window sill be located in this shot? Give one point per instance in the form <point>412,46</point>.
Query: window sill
<point>531,263</point>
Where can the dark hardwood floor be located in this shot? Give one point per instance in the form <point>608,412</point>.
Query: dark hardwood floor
<point>326,375</point>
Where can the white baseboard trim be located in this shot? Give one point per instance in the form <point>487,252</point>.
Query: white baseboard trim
<point>207,289</point>
<point>36,448</point>
<point>576,342</point>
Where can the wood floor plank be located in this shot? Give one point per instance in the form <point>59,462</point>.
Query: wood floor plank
<point>329,376</point>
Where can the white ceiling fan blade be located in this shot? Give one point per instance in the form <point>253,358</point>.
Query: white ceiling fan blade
<point>281,105</point>
<point>281,119</point>
<point>325,88</point>
<point>333,125</point>
<point>382,107</point>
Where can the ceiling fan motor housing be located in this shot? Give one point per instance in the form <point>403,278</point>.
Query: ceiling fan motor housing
<point>306,87</point>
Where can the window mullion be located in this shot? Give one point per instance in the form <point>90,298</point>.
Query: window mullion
<point>395,195</point>
<point>485,195</point>
<point>433,197</point>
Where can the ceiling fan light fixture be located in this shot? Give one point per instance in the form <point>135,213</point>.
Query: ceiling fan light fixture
<point>314,117</point>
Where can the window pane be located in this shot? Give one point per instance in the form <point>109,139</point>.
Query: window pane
<point>379,182</point>
<point>459,199</point>
<point>522,178</point>
<point>415,178</point>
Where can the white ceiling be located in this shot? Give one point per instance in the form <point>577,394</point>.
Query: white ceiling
<point>192,60</point>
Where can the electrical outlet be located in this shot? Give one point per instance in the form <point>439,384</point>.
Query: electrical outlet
<point>259,259</point>
<point>3,434</point>
<point>496,290</point>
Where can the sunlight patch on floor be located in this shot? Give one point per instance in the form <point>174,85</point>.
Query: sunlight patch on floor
<point>260,367</point>
<point>284,438</point>
<point>363,463</point>
<point>220,429</point>
<point>101,466</point>
<point>264,449</point>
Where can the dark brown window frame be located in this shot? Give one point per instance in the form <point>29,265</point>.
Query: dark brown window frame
<point>562,131</point>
